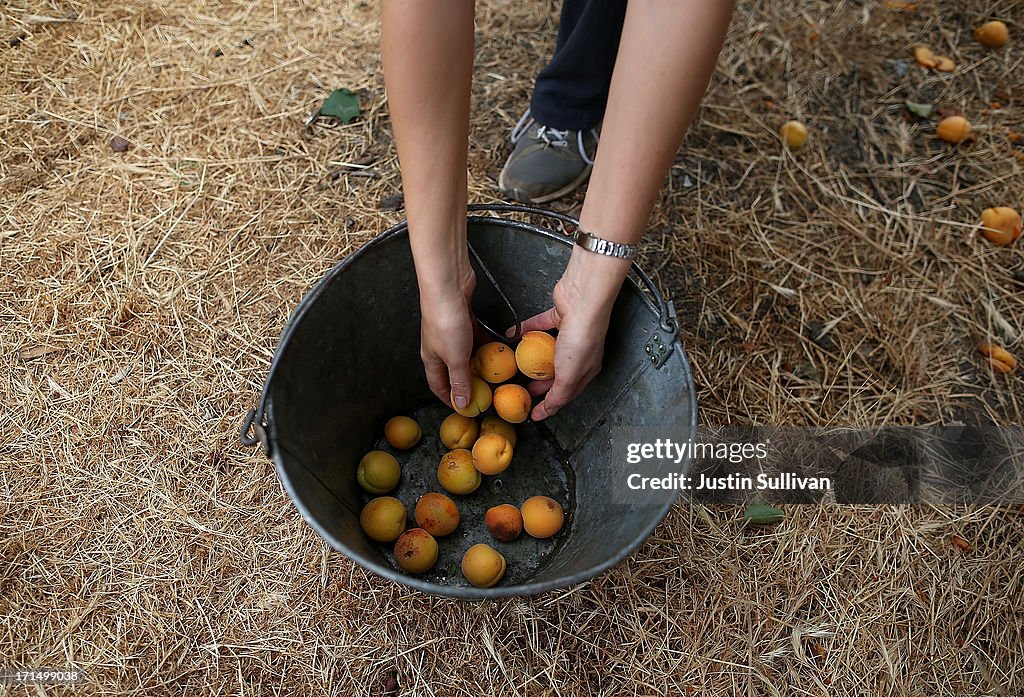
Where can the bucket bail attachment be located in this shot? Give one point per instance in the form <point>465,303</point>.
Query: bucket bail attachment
<point>259,430</point>
<point>659,346</point>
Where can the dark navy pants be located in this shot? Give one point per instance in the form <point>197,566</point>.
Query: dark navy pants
<point>572,90</point>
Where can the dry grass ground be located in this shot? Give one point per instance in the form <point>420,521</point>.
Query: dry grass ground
<point>142,294</point>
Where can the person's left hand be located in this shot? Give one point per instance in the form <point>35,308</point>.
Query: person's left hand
<point>581,318</point>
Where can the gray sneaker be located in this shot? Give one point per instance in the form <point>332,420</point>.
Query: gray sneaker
<point>546,163</point>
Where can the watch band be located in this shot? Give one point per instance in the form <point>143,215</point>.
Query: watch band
<point>598,245</point>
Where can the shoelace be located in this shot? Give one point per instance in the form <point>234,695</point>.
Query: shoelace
<point>551,136</point>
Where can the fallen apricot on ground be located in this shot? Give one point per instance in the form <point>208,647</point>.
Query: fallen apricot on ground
<point>383,519</point>
<point>512,402</point>
<point>924,56</point>
<point>457,474</point>
<point>378,472</point>
<point>493,424</point>
<point>993,34</point>
<point>944,64</point>
<point>1001,225</point>
<point>416,551</point>
<point>402,433</point>
<point>505,522</point>
<point>479,399</point>
<point>793,134</point>
<point>458,431</point>
<point>492,453</point>
<point>437,514</point>
<point>535,355</point>
<point>1001,360</point>
<point>495,362</point>
<point>954,129</point>
<point>542,516</point>
<point>483,566</point>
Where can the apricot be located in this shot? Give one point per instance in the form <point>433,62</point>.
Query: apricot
<point>1000,360</point>
<point>495,362</point>
<point>512,402</point>
<point>378,472</point>
<point>535,355</point>
<point>793,134</point>
<point>458,431</point>
<point>402,433</point>
<point>457,474</point>
<point>416,551</point>
<point>383,519</point>
<point>483,566</point>
<point>924,56</point>
<point>492,453</point>
<point>542,516</point>
<point>492,424</point>
<point>944,64</point>
<point>993,34</point>
<point>505,522</point>
<point>479,400</point>
<point>1000,226</point>
<point>437,514</point>
<point>954,129</point>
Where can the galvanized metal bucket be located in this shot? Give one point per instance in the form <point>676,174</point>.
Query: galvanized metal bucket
<point>349,359</point>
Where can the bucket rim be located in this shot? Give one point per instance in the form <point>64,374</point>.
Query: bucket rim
<point>562,582</point>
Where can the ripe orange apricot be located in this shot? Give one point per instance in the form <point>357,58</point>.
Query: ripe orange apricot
<point>483,566</point>
<point>924,56</point>
<point>512,402</point>
<point>793,134</point>
<point>416,551</point>
<point>542,516</point>
<point>479,399</point>
<point>954,129</point>
<point>457,474</point>
<point>505,522</point>
<point>378,472</point>
<point>492,424</point>
<point>495,362</point>
<point>383,518</point>
<point>437,514</point>
<point>492,453</point>
<point>993,34</point>
<point>944,64</point>
<point>402,433</point>
<point>535,355</point>
<point>1000,360</point>
<point>1001,225</point>
<point>458,431</point>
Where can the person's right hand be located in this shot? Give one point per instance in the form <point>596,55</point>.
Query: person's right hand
<point>446,339</point>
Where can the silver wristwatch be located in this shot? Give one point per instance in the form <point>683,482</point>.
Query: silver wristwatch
<point>595,244</point>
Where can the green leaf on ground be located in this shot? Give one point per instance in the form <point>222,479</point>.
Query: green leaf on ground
<point>922,110</point>
<point>342,104</point>
<point>762,514</point>
<point>807,371</point>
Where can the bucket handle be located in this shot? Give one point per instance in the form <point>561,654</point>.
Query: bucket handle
<point>659,347</point>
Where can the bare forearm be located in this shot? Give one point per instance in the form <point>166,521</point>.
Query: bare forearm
<point>427,50</point>
<point>666,57</point>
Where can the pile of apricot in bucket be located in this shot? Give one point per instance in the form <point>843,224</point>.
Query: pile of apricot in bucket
<point>478,446</point>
